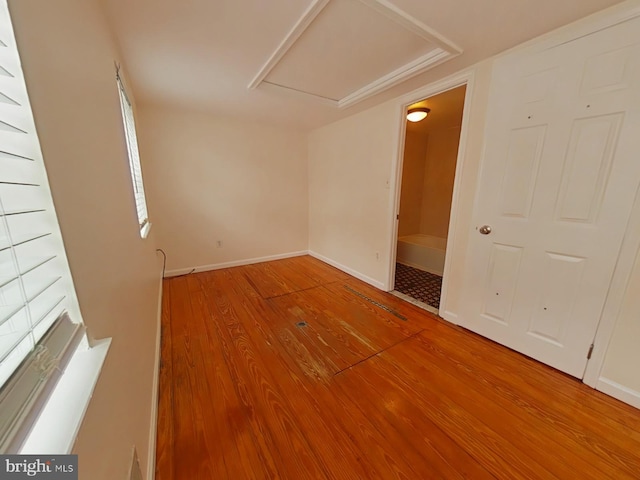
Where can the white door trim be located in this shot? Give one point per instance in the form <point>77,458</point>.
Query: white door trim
<point>465,77</point>
<point>613,303</point>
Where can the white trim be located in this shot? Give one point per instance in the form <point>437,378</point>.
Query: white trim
<point>617,290</point>
<point>466,77</point>
<point>133,156</point>
<point>292,92</point>
<point>399,75</point>
<point>616,390</point>
<point>234,263</point>
<point>350,271</point>
<point>402,18</point>
<point>60,419</point>
<point>292,37</point>
<point>405,72</point>
<point>397,163</point>
<point>454,235</point>
<point>144,232</point>
<point>155,393</point>
<point>445,50</point>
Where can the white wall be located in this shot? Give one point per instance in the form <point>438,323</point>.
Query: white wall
<point>623,354</point>
<point>211,178</point>
<point>68,58</point>
<point>350,204</point>
<point>349,174</point>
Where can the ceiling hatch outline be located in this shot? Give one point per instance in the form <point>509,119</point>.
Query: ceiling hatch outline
<point>444,50</point>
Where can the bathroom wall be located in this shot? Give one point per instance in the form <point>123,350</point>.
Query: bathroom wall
<point>413,182</point>
<point>437,188</point>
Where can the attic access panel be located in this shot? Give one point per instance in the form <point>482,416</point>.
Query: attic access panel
<point>343,51</point>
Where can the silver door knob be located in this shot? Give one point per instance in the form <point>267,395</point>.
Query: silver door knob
<point>485,229</point>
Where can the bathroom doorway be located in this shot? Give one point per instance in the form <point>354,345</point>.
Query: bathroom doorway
<point>430,156</point>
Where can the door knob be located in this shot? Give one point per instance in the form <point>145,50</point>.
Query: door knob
<point>485,229</point>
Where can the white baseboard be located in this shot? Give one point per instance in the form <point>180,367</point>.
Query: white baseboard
<point>622,393</point>
<point>153,429</point>
<point>350,271</point>
<point>235,263</point>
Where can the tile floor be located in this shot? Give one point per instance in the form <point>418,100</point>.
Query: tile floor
<point>422,286</point>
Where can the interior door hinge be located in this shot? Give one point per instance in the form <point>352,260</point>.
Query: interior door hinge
<point>398,217</point>
<point>590,352</point>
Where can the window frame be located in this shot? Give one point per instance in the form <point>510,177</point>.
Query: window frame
<point>133,154</point>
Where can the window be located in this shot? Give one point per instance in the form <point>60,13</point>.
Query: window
<point>134,159</point>
<point>40,320</point>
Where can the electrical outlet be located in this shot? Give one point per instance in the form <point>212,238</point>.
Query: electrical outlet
<point>219,244</point>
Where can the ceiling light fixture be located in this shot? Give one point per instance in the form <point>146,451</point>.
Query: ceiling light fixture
<point>417,114</point>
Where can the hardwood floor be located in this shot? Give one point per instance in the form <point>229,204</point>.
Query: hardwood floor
<point>294,370</point>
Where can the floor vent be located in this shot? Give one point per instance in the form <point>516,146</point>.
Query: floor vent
<point>377,304</point>
<point>136,473</point>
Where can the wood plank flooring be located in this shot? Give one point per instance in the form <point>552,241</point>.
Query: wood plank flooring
<point>294,370</point>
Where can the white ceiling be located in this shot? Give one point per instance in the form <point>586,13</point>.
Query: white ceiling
<point>384,47</point>
<point>204,54</point>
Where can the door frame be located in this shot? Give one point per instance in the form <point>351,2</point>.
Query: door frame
<point>465,77</point>
<point>611,310</point>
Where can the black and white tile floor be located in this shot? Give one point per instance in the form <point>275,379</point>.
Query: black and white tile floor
<point>422,286</point>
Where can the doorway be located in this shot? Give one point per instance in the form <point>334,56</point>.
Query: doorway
<point>426,191</point>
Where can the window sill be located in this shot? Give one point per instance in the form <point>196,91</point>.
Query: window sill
<point>55,430</point>
<point>144,232</point>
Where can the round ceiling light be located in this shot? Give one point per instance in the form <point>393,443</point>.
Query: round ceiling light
<point>417,114</point>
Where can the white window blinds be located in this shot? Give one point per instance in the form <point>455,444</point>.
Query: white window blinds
<point>134,158</point>
<point>36,289</point>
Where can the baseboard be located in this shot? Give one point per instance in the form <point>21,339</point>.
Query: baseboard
<point>153,429</point>
<point>622,393</point>
<point>235,263</point>
<point>350,271</point>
